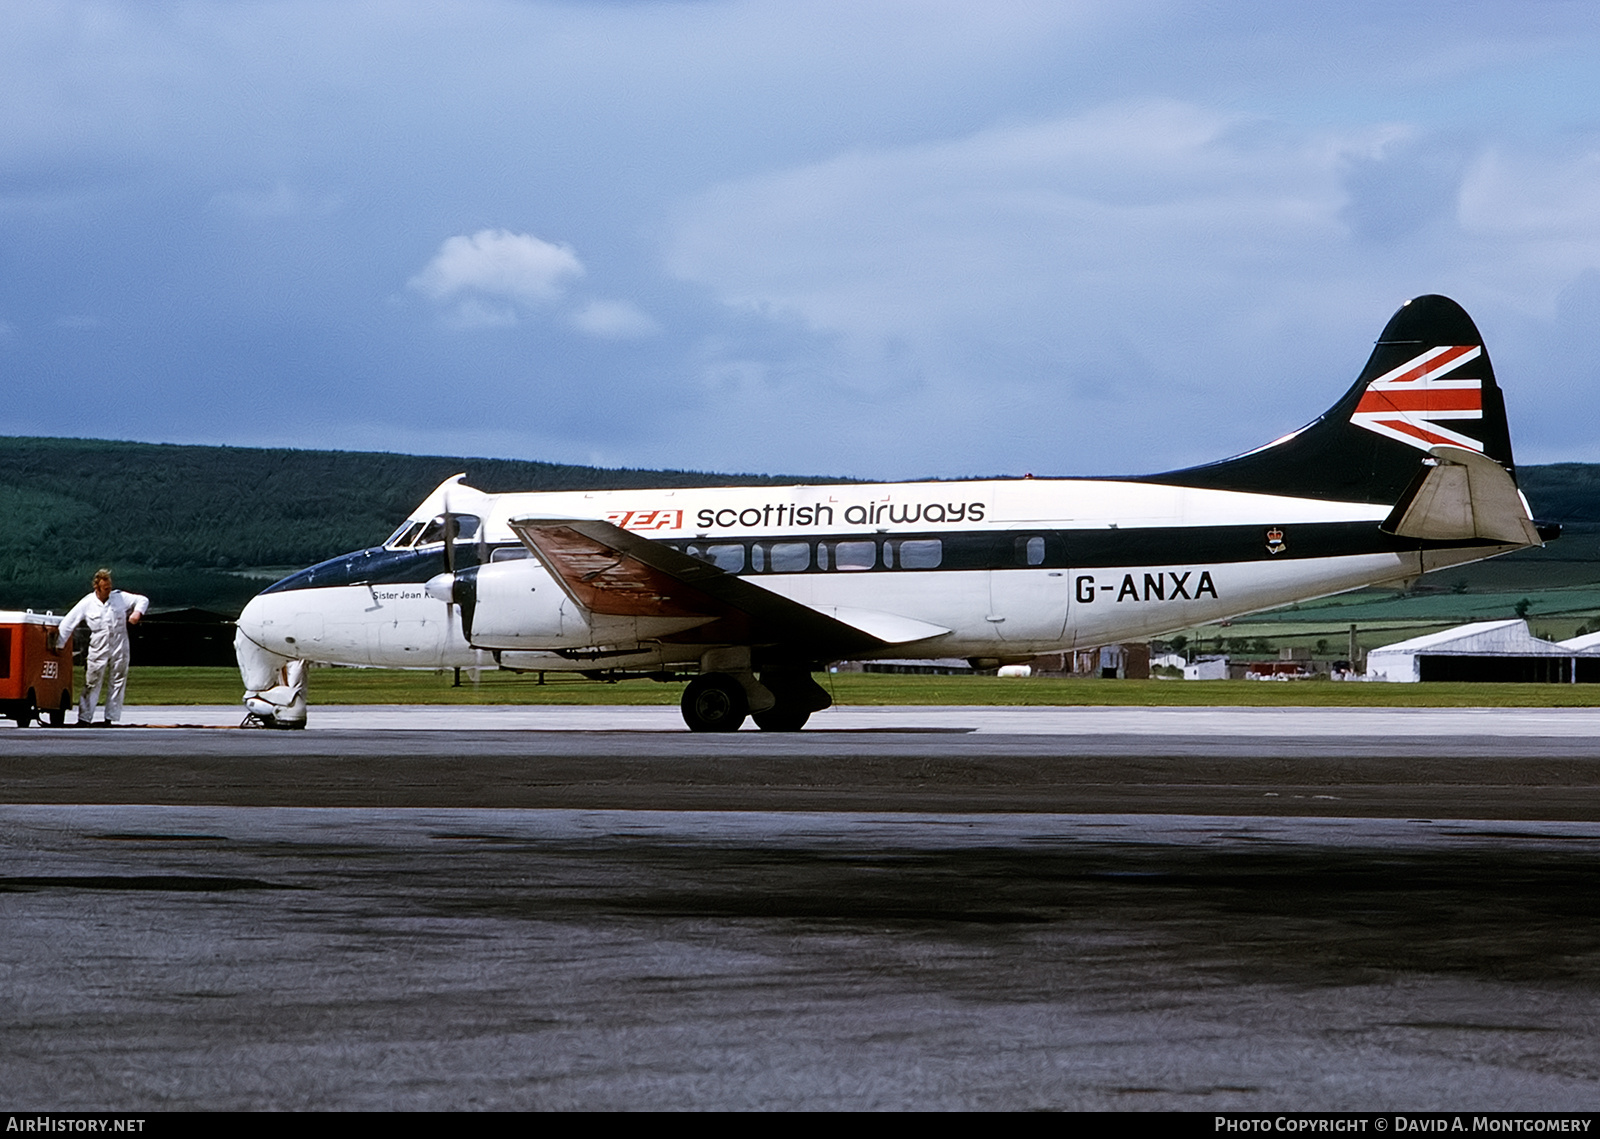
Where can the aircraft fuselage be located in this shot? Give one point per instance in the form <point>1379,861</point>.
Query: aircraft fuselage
<point>755,587</point>
<point>1007,567</point>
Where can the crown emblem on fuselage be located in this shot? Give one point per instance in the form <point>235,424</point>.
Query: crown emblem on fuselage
<point>1275,542</point>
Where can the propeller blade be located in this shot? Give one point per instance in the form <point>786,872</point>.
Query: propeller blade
<point>464,591</point>
<point>449,538</point>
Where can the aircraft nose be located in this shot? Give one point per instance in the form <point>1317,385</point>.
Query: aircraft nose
<point>263,620</point>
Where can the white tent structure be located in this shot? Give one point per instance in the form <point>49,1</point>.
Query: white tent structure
<point>1486,651</point>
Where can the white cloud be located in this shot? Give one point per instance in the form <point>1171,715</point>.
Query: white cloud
<point>497,263</point>
<point>613,320</point>
<point>1542,212</point>
<point>491,278</point>
<point>1016,279</point>
<point>1126,266</point>
<point>1074,235</point>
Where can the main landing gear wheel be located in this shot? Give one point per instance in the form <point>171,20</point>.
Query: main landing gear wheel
<point>781,719</point>
<point>714,702</point>
<point>798,696</point>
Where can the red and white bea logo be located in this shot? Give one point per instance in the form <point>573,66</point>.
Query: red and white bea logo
<point>646,519</point>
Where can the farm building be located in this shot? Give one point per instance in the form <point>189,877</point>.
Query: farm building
<point>1485,651</point>
<point>1589,642</point>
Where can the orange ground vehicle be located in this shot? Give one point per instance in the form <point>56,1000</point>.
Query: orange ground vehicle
<point>34,678</point>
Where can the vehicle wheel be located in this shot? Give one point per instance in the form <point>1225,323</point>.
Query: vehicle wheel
<point>26,712</point>
<point>58,716</point>
<point>781,719</point>
<point>714,703</point>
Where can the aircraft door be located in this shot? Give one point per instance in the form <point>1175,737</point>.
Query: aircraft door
<point>1028,594</point>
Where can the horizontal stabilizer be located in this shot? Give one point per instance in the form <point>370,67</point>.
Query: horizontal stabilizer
<point>1459,495</point>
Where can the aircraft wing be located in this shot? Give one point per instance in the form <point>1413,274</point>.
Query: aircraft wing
<point>609,570</point>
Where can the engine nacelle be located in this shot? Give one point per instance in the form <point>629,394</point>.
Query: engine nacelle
<point>518,605</point>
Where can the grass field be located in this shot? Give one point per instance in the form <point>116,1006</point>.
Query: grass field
<point>377,686</point>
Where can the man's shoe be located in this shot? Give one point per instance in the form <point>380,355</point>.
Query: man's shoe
<point>81,723</point>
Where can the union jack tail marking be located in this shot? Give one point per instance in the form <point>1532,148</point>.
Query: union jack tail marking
<point>1407,403</point>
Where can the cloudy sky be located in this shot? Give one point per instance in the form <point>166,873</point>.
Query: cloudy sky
<point>875,239</point>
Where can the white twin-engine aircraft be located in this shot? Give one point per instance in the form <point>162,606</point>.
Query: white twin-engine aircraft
<point>754,589</point>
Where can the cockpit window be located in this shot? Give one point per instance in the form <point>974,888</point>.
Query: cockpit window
<point>404,536</point>
<point>423,534</point>
<point>463,525</point>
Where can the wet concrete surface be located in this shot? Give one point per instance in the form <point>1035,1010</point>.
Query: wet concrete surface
<point>1303,724</point>
<point>367,918</point>
<point>1277,772</point>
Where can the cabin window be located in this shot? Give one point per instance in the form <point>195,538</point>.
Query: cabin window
<point>1030,551</point>
<point>724,555</point>
<point>852,555</point>
<point>915,553</point>
<point>780,557</point>
<point>510,554</point>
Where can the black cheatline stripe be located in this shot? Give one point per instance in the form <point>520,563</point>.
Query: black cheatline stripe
<point>971,550</point>
<point>1135,546</point>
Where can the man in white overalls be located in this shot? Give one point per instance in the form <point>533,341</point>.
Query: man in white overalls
<point>108,613</point>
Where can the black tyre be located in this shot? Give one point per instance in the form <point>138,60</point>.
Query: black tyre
<point>714,703</point>
<point>26,712</point>
<point>780,719</point>
<point>58,716</point>
<point>798,696</point>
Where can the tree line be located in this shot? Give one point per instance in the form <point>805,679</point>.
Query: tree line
<point>210,526</point>
<point>207,526</point>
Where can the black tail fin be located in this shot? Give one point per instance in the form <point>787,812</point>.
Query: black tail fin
<point>1429,383</point>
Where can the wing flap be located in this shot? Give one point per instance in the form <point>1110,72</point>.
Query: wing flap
<point>604,579</point>
<point>612,571</point>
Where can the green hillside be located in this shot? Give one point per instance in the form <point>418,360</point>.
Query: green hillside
<point>1565,492</point>
<point>208,526</point>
